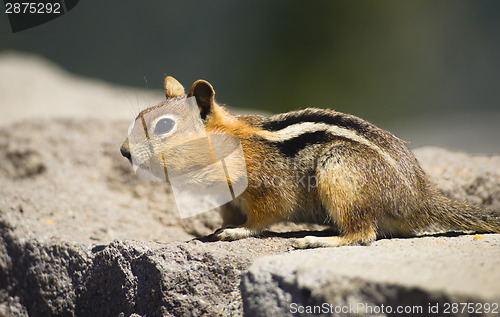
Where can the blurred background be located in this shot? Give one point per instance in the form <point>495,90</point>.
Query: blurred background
<point>428,71</point>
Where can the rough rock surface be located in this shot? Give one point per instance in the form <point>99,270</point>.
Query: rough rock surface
<point>80,235</point>
<point>409,274</point>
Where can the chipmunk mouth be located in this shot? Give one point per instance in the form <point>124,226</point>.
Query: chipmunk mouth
<point>150,171</point>
<point>137,154</point>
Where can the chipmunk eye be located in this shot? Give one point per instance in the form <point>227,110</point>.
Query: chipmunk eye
<point>164,126</point>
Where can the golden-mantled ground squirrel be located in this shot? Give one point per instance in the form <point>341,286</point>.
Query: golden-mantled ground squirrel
<point>325,167</point>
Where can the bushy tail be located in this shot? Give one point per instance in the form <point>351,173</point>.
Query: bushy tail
<point>462,216</point>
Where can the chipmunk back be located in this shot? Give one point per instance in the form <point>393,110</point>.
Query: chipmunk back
<point>325,167</point>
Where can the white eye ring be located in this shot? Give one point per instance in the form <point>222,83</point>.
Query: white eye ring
<point>164,125</point>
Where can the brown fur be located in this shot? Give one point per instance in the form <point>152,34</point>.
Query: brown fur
<point>367,183</point>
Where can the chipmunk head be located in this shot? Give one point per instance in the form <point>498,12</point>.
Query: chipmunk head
<point>171,135</point>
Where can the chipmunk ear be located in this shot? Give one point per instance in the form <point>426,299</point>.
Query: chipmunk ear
<point>173,88</point>
<point>204,94</point>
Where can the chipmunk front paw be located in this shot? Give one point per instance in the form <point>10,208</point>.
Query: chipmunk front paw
<point>231,234</point>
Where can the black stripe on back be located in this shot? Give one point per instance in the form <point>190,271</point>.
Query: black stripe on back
<point>339,119</point>
<point>292,146</point>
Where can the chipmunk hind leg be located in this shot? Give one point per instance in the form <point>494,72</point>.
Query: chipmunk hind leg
<point>353,232</point>
<point>340,191</point>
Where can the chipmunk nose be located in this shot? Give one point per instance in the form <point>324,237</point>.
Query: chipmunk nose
<point>125,150</point>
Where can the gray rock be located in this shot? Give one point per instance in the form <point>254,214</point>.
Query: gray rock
<point>70,210</point>
<point>414,274</point>
<point>472,178</point>
<point>67,231</point>
<point>81,235</point>
<point>125,277</point>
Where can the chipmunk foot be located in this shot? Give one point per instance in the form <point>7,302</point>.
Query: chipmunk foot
<point>232,234</point>
<point>309,242</point>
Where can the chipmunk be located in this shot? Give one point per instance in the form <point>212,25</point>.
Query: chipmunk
<point>319,166</point>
